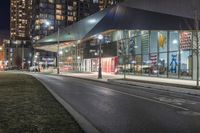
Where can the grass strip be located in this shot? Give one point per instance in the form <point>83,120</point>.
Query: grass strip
<point>27,107</point>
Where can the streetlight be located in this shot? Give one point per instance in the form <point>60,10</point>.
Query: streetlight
<point>60,52</point>
<point>37,60</point>
<point>29,64</point>
<point>58,49</point>
<point>100,37</point>
<point>47,23</point>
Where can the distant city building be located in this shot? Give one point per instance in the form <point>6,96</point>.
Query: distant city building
<point>48,15</point>
<point>2,58</point>
<point>32,20</point>
<point>106,3</point>
<point>20,12</point>
<point>162,47</point>
<point>19,47</point>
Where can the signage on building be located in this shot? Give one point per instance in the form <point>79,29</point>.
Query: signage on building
<point>153,59</point>
<point>185,40</point>
<point>173,64</point>
<point>145,44</point>
<point>131,45</point>
<point>161,40</point>
<point>48,59</point>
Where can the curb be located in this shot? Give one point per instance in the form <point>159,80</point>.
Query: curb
<point>113,82</point>
<point>81,120</point>
<point>167,90</point>
<point>158,83</point>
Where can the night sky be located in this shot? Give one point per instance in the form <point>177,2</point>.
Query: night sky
<point>4,14</point>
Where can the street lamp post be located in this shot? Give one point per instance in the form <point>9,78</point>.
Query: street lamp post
<point>48,24</point>
<point>100,37</point>
<point>1,50</point>
<point>58,46</point>
<point>58,49</point>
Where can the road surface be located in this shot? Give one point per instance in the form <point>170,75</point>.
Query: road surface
<point>118,109</point>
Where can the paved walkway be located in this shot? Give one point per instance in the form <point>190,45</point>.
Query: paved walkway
<point>175,85</point>
<point>132,77</point>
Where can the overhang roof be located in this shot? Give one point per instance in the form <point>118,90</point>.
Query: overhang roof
<point>182,8</point>
<point>131,15</point>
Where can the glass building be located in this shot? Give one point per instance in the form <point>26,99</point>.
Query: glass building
<point>135,41</point>
<point>143,53</point>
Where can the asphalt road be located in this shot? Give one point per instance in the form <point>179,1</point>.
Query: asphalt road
<point>118,109</point>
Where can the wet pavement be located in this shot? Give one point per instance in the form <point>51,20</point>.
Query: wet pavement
<point>119,109</point>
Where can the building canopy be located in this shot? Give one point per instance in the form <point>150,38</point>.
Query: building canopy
<point>130,15</point>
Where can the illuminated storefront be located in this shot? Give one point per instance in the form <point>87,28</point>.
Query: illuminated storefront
<point>158,53</point>
<point>2,58</point>
<point>143,53</point>
<point>109,65</point>
<point>156,42</point>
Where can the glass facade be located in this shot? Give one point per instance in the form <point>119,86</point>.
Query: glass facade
<point>167,54</point>
<point>159,54</point>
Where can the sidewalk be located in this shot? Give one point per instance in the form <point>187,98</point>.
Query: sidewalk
<point>173,85</point>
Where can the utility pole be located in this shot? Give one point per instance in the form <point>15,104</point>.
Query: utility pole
<point>124,58</point>
<point>100,37</point>
<point>197,39</point>
<point>196,48</point>
<point>58,49</point>
<point>22,56</point>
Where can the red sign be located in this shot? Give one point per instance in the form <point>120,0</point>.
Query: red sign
<point>153,58</point>
<point>185,40</point>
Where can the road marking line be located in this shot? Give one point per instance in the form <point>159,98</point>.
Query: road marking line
<point>144,98</point>
<point>140,97</point>
<point>149,99</point>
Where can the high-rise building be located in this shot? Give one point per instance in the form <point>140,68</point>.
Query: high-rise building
<point>20,19</point>
<point>106,3</point>
<point>49,14</point>
<point>79,9</point>
<point>2,57</point>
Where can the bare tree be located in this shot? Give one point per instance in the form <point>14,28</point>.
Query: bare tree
<point>196,37</point>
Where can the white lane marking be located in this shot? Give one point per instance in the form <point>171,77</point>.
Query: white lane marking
<point>141,97</point>
<point>152,100</point>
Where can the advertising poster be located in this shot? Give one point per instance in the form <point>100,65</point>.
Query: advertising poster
<point>185,40</point>
<point>153,60</point>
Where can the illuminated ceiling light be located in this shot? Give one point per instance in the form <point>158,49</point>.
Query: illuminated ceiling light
<point>78,41</point>
<point>60,52</point>
<point>100,37</point>
<point>47,23</point>
<point>92,21</point>
<point>175,41</point>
